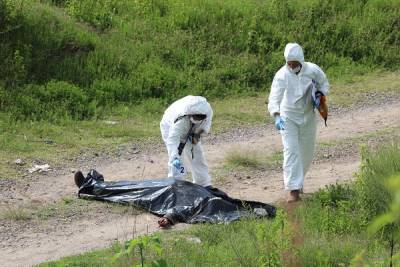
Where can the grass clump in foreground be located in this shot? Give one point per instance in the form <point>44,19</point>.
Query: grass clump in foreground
<point>336,220</point>
<point>355,224</point>
<point>249,242</point>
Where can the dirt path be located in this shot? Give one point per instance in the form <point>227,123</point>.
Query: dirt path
<point>25,243</point>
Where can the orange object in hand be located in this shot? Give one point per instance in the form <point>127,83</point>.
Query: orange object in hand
<point>323,108</point>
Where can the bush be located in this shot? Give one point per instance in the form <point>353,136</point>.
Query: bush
<point>332,211</point>
<point>36,47</point>
<point>372,194</point>
<point>53,101</point>
<point>3,99</point>
<point>351,208</point>
<point>99,14</point>
<point>336,219</point>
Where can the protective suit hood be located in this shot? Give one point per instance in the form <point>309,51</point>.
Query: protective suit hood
<point>294,52</point>
<point>196,105</point>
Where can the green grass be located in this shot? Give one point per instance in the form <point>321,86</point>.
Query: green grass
<point>335,220</point>
<point>247,159</point>
<point>15,214</point>
<point>249,242</point>
<point>320,250</point>
<point>351,90</point>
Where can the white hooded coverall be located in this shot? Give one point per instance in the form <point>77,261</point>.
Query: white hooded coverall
<point>175,127</point>
<point>291,97</point>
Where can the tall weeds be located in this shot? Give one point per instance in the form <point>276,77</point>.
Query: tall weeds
<point>337,219</point>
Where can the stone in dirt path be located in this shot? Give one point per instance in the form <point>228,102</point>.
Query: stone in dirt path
<point>24,244</point>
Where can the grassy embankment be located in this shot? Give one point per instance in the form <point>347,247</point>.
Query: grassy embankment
<point>91,75</point>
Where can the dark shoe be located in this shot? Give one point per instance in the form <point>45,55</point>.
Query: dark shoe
<point>164,223</point>
<point>294,196</point>
<point>79,178</point>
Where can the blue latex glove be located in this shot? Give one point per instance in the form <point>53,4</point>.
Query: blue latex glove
<point>279,123</point>
<point>177,163</point>
<point>317,99</point>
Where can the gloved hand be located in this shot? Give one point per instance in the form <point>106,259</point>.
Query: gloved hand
<point>177,163</point>
<point>279,123</point>
<point>317,100</point>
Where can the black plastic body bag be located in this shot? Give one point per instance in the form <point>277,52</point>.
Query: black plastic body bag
<point>180,201</point>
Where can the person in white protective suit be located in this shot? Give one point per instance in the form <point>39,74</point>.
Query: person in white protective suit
<point>291,103</point>
<point>182,125</point>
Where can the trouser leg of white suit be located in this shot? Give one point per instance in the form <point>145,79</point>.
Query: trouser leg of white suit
<point>298,150</point>
<point>172,171</point>
<point>307,138</point>
<point>197,164</point>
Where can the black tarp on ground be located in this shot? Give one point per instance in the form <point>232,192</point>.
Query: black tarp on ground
<point>180,201</point>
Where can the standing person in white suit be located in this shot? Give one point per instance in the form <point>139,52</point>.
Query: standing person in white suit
<point>182,125</point>
<point>291,103</point>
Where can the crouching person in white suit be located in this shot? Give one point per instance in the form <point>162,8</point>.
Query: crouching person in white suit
<point>182,125</point>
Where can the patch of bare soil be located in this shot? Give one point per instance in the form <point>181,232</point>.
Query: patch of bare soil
<point>29,242</point>
<point>289,258</point>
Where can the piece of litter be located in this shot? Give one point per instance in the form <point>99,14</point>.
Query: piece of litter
<point>110,122</point>
<point>193,240</point>
<point>19,162</point>
<point>40,168</point>
<point>260,211</point>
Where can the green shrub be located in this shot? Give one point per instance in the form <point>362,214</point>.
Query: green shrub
<point>97,13</point>
<point>390,220</point>
<point>52,101</point>
<point>37,47</point>
<point>244,243</point>
<point>3,98</point>
<point>332,211</point>
<point>372,195</point>
<point>335,219</point>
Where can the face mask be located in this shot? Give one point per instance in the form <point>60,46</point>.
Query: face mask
<point>195,121</point>
<point>295,70</point>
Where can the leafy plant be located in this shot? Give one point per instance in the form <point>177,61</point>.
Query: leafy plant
<point>390,221</point>
<point>97,13</point>
<point>377,167</point>
<point>143,244</point>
